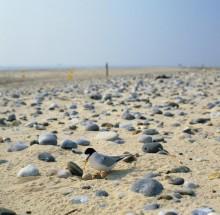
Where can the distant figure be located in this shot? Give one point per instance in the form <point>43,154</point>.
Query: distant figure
<point>106,70</point>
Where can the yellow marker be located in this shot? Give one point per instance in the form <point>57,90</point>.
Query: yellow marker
<point>70,76</point>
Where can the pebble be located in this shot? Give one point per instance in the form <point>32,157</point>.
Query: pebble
<point>33,142</point>
<point>180,169</point>
<point>87,176</point>
<point>126,126</point>
<point>86,187</point>
<point>29,170</point>
<point>47,139</point>
<point>107,96</point>
<point>187,192</point>
<point>152,175</point>
<point>11,117</point>
<point>76,151</point>
<point>190,185</point>
<point>107,135</point>
<point>17,147</point>
<point>45,156</point>
<point>153,206</point>
<point>39,127</point>
<point>79,199</point>
<point>2,122</point>
<point>202,211</point>
<point>74,169</point>
<point>101,193</point>
<point>152,147</point>
<point>53,106</point>
<point>165,197</point>
<point>82,142</point>
<point>156,111</point>
<point>176,181</point>
<point>150,131</point>
<point>213,213</point>
<point>3,161</point>
<point>168,212</point>
<point>128,116</point>
<point>145,139</point>
<point>168,114</point>
<point>68,144</point>
<point>119,141</point>
<point>199,121</point>
<point>177,195</point>
<point>88,106</point>
<point>73,106</point>
<point>63,173</point>
<point>92,127</point>
<point>5,211</point>
<point>191,131</point>
<point>147,187</point>
<point>96,96</point>
<point>72,127</point>
<point>130,158</point>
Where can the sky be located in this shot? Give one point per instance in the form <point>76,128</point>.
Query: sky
<point>122,32</point>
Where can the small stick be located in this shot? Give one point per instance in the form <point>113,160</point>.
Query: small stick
<point>72,211</point>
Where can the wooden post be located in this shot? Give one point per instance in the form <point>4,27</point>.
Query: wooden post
<point>106,70</point>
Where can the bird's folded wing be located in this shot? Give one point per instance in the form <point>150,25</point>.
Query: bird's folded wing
<point>108,160</point>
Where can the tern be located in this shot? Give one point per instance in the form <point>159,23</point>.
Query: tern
<point>101,162</point>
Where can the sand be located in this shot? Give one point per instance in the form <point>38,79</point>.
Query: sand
<point>51,195</point>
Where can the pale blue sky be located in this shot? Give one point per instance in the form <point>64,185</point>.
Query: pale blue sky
<point>122,32</point>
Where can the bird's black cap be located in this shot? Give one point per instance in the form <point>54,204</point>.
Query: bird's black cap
<point>89,151</point>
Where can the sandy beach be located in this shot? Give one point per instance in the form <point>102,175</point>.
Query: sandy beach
<point>180,105</point>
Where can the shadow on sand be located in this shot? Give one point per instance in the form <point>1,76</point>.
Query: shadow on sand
<point>119,174</point>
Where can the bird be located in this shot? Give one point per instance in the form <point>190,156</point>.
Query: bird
<point>101,162</point>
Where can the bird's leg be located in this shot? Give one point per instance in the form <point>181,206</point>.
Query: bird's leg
<point>97,175</point>
<point>85,165</point>
<point>103,174</point>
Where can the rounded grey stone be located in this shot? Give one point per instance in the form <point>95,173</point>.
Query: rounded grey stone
<point>101,193</point>
<point>47,139</point>
<point>145,139</point>
<point>147,187</point>
<point>150,131</point>
<point>92,127</point>
<point>153,147</point>
<point>45,156</point>
<point>107,135</point>
<point>168,213</point>
<point>79,199</point>
<point>180,169</point>
<point>63,173</point>
<point>202,211</point>
<point>96,96</point>
<point>74,169</point>
<point>153,206</point>
<point>11,117</point>
<point>168,114</point>
<point>29,170</point>
<point>152,175</point>
<point>3,161</point>
<point>190,185</point>
<point>82,142</point>
<point>128,116</point>
<point>17,147</point>
<point>68,144</point>
<point>176,181</point>
<point>5,211</point>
